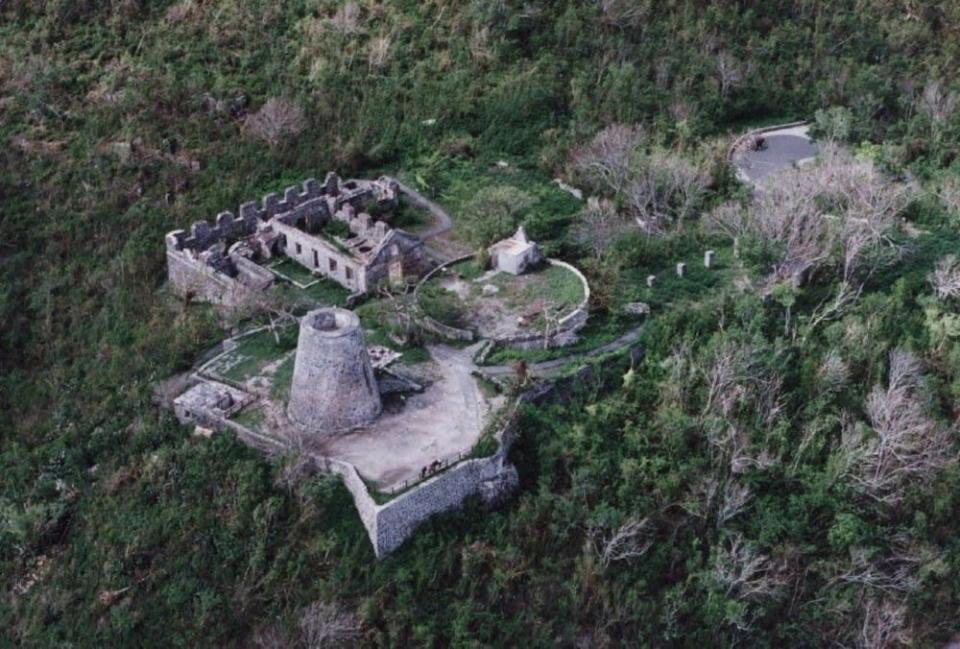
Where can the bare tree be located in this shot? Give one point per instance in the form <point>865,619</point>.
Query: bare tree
<point>937,102</point>
<point>323,626</point>
<point>949,195</point>
<point>599,226</point>
<point>908,445</point>
<point>664,189</point>
<point>735,376</point>
<point>403,312</point>
<point>347,18</point>
<point>631,540</point>
<point>731,73</point>
<point>945,279</point>
<point>605,163</point>
<point>621,14</point>
<point>272,637</point>
<point>734,500</point>
<point>884,625</point>
<point>378,52</point>
<point>277,121</point>
<point>746,573</point>
<point>833,212</point>
<point>833,373</point>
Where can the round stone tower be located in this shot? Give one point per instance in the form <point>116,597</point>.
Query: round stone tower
<point>333,385</point>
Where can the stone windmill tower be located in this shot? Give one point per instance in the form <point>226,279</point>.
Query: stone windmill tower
<point>333,385</point>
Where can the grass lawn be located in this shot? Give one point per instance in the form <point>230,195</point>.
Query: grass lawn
<point>319,290</point>
<point>411,218</point>
<point>291,270</point>
<point>282,378</point>
<point>327,293</point>
<point>251,416</point>
<point>528,295</point>
<point>252,354</point>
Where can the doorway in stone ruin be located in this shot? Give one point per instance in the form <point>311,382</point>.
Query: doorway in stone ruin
<point>396,271</point>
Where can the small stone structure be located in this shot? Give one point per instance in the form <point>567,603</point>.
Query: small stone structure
<point>323,227</point>
<point>681,269</point>
<point>334,388</point>
<point>709,258</point>
<point>207,404</point>
<point>515,254</point>
<point>651,280</point>
<point>637,308</point>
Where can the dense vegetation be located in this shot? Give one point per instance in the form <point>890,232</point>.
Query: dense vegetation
<point>724,490</point>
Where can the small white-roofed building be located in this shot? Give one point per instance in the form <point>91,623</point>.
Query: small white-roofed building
<point>515,254</point>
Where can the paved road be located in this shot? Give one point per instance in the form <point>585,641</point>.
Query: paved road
<point>546,368</point>
<point>783,148</point>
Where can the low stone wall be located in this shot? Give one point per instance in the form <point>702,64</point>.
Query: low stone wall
<point>567,327</point>
<point>444,331</point>
<point>432,325</point>
<point>362,500</point>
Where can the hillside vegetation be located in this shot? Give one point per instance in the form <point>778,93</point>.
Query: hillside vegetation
<point>778,470</point>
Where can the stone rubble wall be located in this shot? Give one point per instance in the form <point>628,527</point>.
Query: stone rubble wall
<point>188,275</point>
<point>202,235</point>
<point>489,479</point>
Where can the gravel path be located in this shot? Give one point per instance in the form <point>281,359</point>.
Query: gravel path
<point>546,368</point>
<point>442,220</point>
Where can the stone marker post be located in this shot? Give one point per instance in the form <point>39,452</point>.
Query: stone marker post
<point>708,259</point>
<point>681,269</point>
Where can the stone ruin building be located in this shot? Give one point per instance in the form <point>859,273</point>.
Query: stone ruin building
<point>334,388</point>
<point>327,228</point>
<point>515,254</point>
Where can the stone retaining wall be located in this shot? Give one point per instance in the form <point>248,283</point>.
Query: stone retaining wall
<point>389,525</point>
<point>432,325</point>
<point>567,327</point>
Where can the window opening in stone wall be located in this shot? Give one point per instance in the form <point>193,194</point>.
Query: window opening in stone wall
<point>316,259</point>
<point>333,265</point>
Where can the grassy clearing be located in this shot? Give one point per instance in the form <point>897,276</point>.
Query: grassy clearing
<point>411,218</point>
<point>252,354</point>
<point>282,378</point>
<point>289,269</point>
<point>455,182</point>
<point>528,295</point>
<point>251,417</point>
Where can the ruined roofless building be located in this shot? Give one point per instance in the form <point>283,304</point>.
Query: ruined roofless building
<point>333,387</point>
<point>322,227</point>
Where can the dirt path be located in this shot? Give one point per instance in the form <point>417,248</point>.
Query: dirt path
<point>442,220</point>
<point>546,368</point>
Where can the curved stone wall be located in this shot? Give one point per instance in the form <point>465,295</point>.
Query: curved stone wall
<point>333,386</point>
<point>566,333</point>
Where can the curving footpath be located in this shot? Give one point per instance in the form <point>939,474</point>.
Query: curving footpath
<point>443,221</point>
<point>546,368</point>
